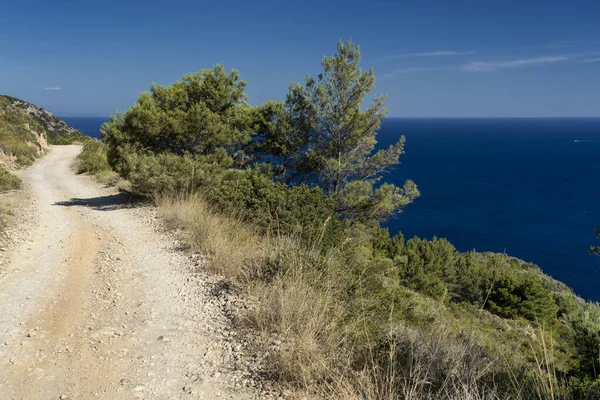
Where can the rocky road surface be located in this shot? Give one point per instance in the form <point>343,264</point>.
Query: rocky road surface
<point>97,302</point>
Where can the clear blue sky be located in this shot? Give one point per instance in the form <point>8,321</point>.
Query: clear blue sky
<point>432,58</point>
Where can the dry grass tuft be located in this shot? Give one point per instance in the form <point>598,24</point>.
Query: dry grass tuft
<point>315,343</point>
<point>233,248</point>
<point>306,321</point>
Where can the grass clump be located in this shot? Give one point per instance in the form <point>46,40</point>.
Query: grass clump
<point>93,160</point>
<point>8,181</point>
<point>233,246</point>
<point>336,325</point>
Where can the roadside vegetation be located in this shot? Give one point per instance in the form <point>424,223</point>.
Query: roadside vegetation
<point>285,200</point>
<point>8,181</point>
<point>93,160</point>
<point>19,135</point>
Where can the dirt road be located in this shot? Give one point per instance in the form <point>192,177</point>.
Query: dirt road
<point>96,303</point>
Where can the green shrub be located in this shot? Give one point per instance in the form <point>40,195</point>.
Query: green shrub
<point>8,181</point>
<point>59,138</point>
<point>167,173</point>
<point>92,159</point>
<point>277,209</point>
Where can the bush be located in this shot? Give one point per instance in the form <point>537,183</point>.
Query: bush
<point>167,173</point>
<point>299,212</point>
<point>9,181</point>
<point>92,159</point>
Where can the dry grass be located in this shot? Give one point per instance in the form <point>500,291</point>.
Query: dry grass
<point>303,315</point>
<point>233,248</point>
<point>314,341</point>
<point>292,306</point>
<point>6,212</point>
<point>108,178</point>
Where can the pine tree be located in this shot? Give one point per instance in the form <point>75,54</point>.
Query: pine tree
<point>332,140</point>
<point>202,114</point>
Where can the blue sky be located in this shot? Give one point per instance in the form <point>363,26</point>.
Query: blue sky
<point>432,58</point>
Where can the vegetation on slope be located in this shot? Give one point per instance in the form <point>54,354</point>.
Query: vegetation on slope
<point>8,181</point>
<point>21,137</point>
<point>285,199</point>
<point>93,160</point>
<point>56,130</point>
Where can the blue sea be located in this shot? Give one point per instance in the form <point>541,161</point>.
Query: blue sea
<point>527,187</point>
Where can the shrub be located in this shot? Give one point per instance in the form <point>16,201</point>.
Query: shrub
<point>8,181</point>
<point>300,212</point>
<point>92,159</point>
<point>167,173</point>
<point>285,200</point>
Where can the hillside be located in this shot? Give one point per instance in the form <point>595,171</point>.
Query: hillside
<point>56,130</point>
<point>25,131</point>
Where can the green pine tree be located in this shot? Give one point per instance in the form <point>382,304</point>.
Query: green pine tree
<point>330,140</point>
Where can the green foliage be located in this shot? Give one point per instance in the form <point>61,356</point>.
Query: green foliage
<point>8,181</point>
<point>585,321</point>
<point>322,136</point>
<point>60,138</point>
<point>199,115</point>
<point>305,173</point>
<point>584,388</point>
<point>93,158</point>
<point>18,137</point>
<point>276,209</point>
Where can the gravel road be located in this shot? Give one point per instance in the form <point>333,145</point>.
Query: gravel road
<point>98,302</point>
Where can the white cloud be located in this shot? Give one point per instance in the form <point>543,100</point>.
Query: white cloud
<point>566,44</point>
<point>439,53</point>
<point>592,60</point>
<point>52,88</point>
<point>410,70</point>
<point>479,66</point>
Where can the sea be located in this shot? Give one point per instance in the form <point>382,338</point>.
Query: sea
<point>526,187</point>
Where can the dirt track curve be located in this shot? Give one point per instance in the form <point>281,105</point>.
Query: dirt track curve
<point>95,303</point>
